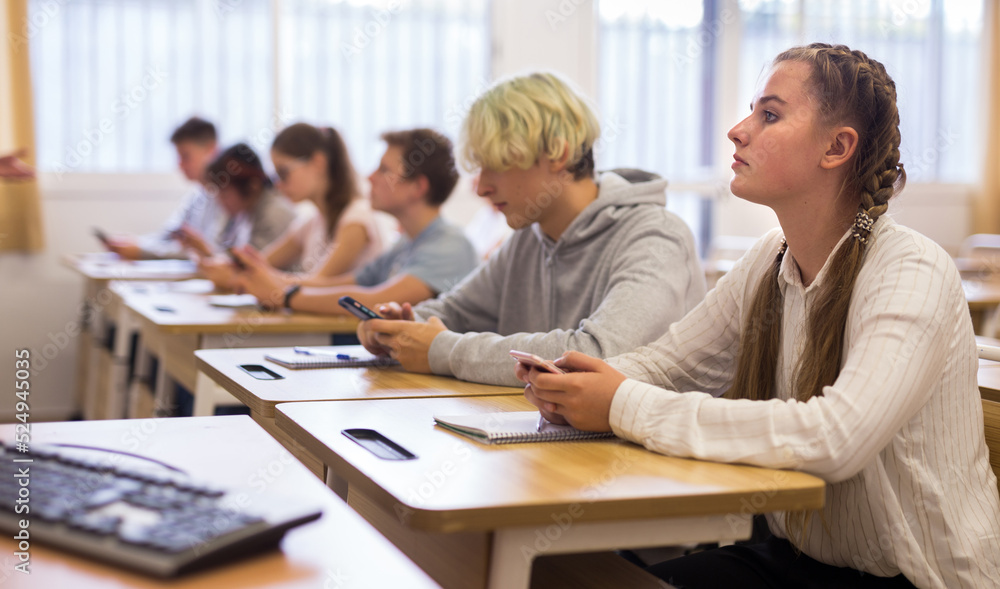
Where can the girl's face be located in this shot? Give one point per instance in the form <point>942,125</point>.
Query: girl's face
<point>231,200</point>
<point>299,179</point>
<point>779,147</point>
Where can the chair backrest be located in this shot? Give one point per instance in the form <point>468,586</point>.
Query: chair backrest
<point>991,416</point>
<point>980,245</point>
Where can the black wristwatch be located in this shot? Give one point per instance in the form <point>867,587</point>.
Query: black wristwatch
<point>289,293</point>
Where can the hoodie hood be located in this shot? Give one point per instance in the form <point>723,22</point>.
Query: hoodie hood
<point>615,197</point>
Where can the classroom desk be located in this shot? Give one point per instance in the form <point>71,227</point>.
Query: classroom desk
<point>339,550</point>
<point>221,367</point>
<point>97,313</point>
<point>475,516</point>
<point>983,296</point>
<point>172,325</point>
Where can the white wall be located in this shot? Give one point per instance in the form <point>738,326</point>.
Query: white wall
<point>41,298</point>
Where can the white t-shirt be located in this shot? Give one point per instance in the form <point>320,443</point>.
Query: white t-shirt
<point>311,236</point>
<point>898,436</point>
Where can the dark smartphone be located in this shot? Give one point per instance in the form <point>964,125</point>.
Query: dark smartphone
<point>102,236</point>
<point>236,261</point>
<point>357,309</point>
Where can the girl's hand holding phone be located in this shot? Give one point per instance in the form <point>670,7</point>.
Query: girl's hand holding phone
<point>581,396</point>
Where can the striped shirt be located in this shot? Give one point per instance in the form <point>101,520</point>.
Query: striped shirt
<point>898,437</point>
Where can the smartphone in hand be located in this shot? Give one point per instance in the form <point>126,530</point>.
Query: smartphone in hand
<point>357,309</point>
<point>236,261</point>
<point>536,361</point>
<point>102,236</point>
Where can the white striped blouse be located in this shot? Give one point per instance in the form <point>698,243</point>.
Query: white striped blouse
<point>898,437</point>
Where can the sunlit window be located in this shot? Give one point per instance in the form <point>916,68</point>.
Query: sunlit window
<point>112,78</point>
<point>660,69</point>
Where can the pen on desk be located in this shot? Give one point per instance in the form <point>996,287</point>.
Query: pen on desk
<point>311,352</point>
<point>541,423</point>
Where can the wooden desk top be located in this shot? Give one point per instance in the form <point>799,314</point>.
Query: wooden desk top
<point>989,373</point>
<point>108,266</point>
<point>229,451</point>
<point>326,384</point>
<point>457,484</point>
<point>178,312</point>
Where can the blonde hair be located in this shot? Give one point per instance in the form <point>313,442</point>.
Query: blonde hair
<point>522,118</point>
<point>855,90</point>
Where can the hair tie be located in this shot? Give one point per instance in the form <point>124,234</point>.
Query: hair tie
<point>862,226</point>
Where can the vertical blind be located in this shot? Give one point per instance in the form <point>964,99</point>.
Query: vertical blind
<point>114,77</point>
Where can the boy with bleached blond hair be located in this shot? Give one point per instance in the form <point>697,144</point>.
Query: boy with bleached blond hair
<point>596,265</point>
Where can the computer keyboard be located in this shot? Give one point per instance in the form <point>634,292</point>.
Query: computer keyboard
<point>136,513</point>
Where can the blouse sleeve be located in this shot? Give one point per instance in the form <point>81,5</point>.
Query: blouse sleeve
<point>903,326</point>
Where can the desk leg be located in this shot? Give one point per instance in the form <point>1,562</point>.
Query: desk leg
<point>514,549</point>
<point>118,379</point>
<point>208,395</point>
<point>140,397</point>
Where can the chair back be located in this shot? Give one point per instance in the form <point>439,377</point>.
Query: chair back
<point>991,416</point>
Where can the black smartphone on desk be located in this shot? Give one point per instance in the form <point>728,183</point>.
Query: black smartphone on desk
<point>357,309</point>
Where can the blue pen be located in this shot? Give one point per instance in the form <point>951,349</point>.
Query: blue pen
<point>311,352</point>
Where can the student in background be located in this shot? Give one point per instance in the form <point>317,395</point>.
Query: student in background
<point>196,144</point>
<point>597,265</point>
<point>313,164</point>
<point>256,214</point>
<point>12,168</point>
<point>414,178</point>
<point>840,345</point>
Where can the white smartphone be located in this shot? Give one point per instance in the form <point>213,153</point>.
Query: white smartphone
<point>536,361</point>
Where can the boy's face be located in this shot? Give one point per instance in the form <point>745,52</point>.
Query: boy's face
<point>390,191</point>
<point>524,196</point>
<point>193,158</point>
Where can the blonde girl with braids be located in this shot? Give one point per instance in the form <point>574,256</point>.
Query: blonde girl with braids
<point>840,345</point>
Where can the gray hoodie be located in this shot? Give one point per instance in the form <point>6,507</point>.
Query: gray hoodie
<point>621,273</point>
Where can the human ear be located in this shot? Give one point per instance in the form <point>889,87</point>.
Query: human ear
<point>317,160</point>
<point>423,186</point>
<point>559,164</point>
<point>841,148</point>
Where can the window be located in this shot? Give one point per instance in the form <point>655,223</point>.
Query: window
<point>366,69</point>
<point>657,80</point>
<point>659,85</point>
<point>114,77</point>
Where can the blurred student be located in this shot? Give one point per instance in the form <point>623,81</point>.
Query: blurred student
<point>11,166</point>
<point>597,265</point>
<point>256,214</point>
<point>196,144</point>
<point>416,175</point>
<point>313,164</point>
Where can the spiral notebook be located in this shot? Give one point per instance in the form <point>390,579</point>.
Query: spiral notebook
<point>511,427</point>
<point>329,357</point>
